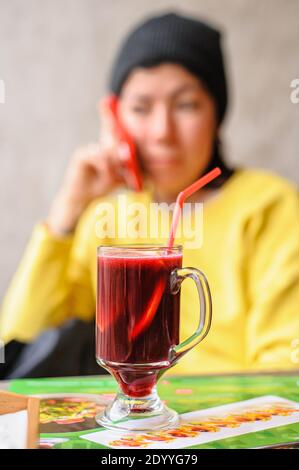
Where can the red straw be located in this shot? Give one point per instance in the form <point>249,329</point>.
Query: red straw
<point>154,301</point>
<point>183,195</point>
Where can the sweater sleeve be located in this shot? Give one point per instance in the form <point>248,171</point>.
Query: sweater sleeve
<point>50,285</point>
<point>273,280</point>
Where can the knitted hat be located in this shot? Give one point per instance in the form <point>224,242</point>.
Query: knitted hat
<point>177,39</point>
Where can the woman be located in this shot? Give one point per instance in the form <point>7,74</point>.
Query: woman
<point>169,76</point>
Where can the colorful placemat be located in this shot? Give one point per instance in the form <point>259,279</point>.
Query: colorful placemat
<point>69,406</point>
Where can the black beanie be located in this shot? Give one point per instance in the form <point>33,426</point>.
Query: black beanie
<point>174,38</point>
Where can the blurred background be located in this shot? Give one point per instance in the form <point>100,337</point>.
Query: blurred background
<point>54,60</point>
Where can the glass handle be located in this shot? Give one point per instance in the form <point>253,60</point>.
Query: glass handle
<point>177,276</point>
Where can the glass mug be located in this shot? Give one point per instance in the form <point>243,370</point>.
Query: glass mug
<point>137,329</point>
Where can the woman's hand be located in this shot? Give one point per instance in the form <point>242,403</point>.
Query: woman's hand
<point>93,171</point>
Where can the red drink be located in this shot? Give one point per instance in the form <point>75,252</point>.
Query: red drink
<point>137,317</point>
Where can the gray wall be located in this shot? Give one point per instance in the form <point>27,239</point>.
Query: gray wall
<point>54,56</point>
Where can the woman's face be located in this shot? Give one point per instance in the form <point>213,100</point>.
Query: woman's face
<point>172,119</point>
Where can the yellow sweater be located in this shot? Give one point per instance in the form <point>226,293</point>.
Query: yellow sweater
<point>250,255</point>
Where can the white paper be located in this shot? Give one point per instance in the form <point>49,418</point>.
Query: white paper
<point>108,438</point>
<point>13,430</point>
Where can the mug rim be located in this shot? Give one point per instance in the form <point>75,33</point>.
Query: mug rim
<point>139,247</point>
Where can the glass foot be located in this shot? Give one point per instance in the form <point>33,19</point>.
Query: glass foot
<point>138,414</point>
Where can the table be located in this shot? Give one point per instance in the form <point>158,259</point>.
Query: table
<point>185,394</point>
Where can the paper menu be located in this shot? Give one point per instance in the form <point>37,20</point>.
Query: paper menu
<point>210,425</point>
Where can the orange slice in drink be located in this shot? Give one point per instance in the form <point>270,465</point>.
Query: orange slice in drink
<point>150,310</point>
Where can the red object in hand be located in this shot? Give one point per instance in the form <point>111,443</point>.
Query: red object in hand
<point>127,147</point>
